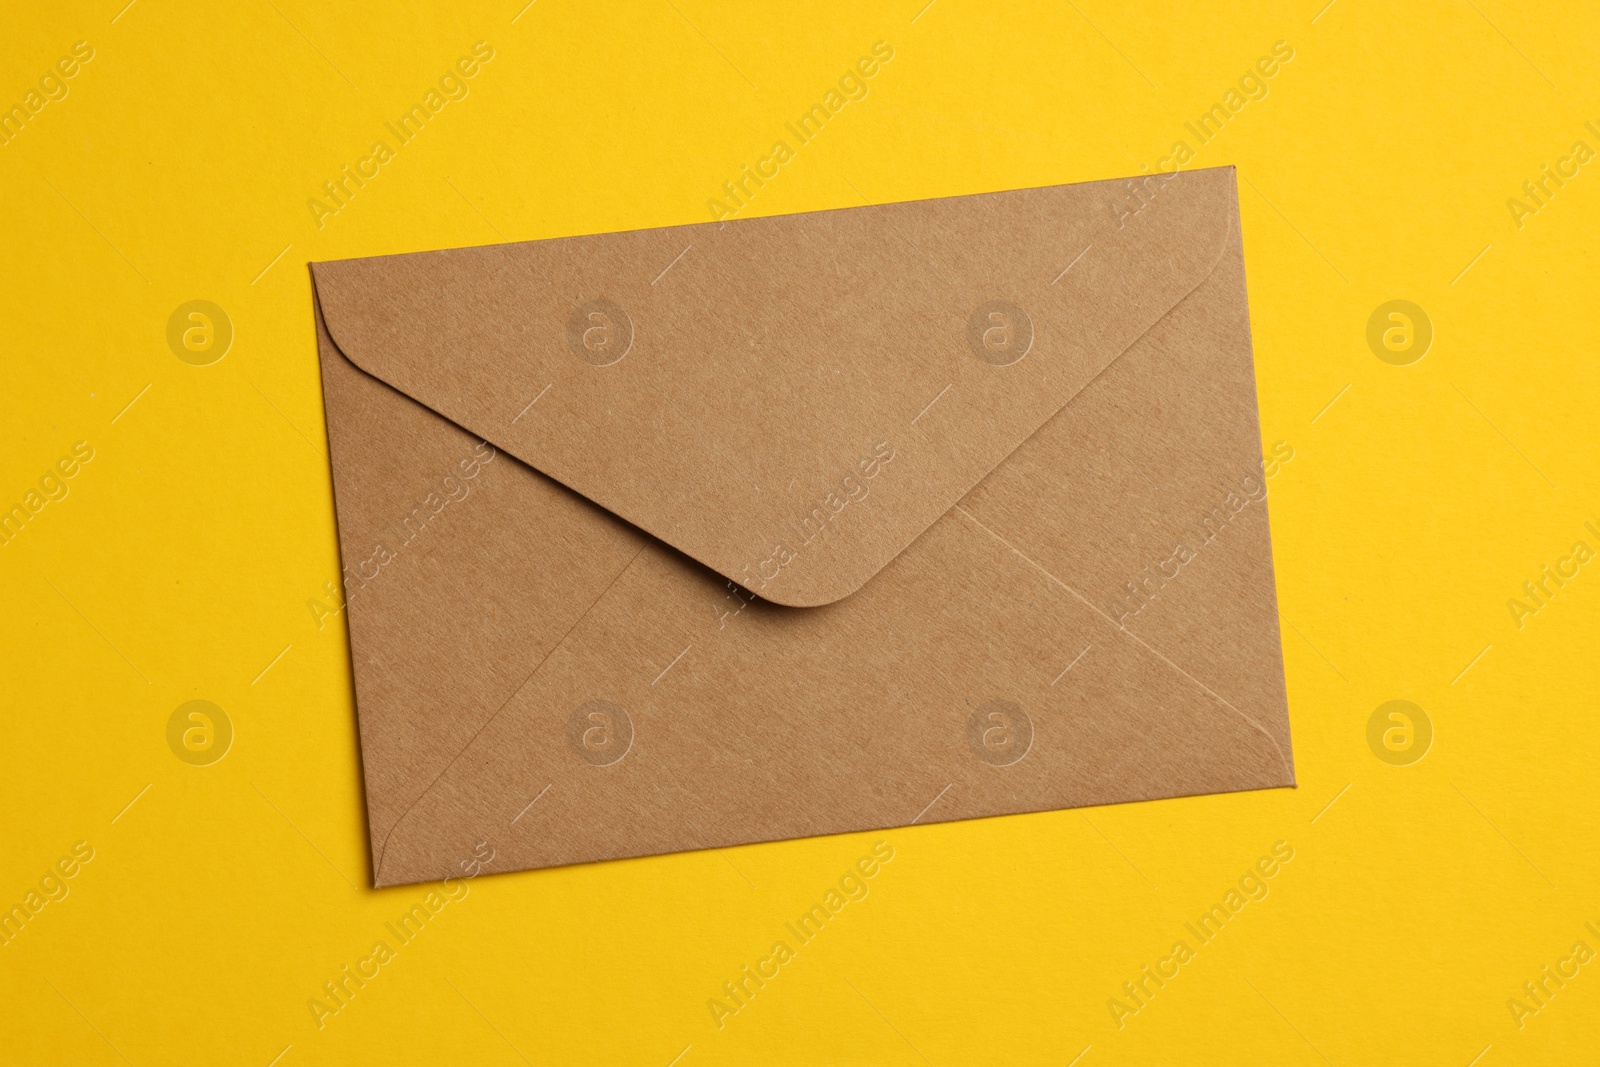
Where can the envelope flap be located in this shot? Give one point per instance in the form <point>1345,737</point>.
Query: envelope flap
<point>789,400</point>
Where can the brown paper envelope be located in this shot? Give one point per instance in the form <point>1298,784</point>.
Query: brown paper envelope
<point>715,534</point>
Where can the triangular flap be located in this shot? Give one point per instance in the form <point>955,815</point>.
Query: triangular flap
<point>790,400</point>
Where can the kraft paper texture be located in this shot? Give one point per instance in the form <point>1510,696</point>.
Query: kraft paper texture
<point>715,534</point>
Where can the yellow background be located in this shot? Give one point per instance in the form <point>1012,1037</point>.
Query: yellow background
<point>1419,500</point>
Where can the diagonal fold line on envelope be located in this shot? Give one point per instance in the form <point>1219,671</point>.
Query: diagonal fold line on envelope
<point>378,857</point>
<point>1287,766</point>
<point>1110,623</point>
<point>624,525</point>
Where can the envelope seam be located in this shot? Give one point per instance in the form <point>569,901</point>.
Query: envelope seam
<point>1287,766</point>
<point>383,850</point>
<point>1234,229</point>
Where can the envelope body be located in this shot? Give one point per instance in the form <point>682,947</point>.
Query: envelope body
<point>707,535</point>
